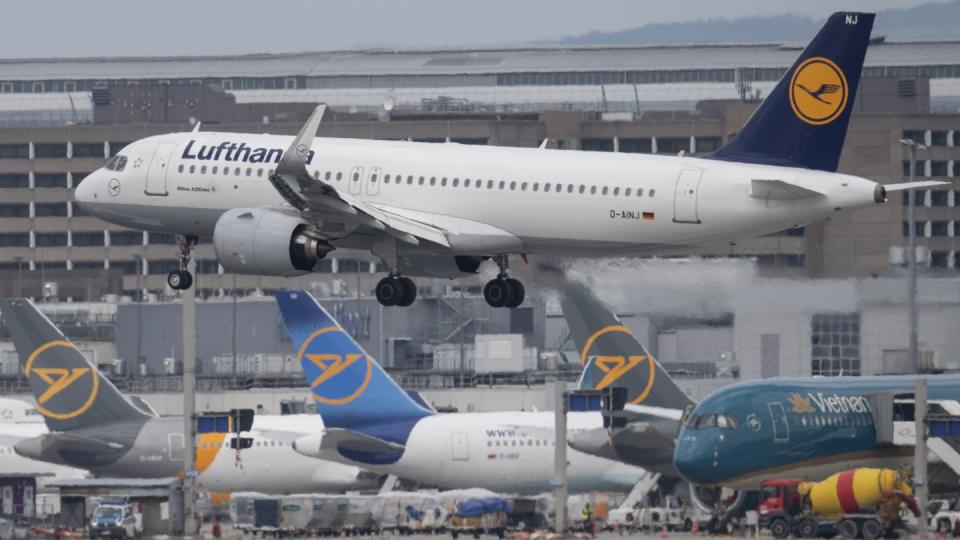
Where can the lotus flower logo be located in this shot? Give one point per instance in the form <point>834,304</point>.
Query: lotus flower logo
<point>801,404</point>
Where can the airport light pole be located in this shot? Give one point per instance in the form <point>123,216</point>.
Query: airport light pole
<point>914,347</point>
<point>139,262</point>
<point>560,457</point>
<point>920,487</point>
<point>188,297</point>
<point>19,260</point>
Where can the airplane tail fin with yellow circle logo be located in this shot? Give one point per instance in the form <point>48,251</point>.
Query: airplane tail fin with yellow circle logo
<point>69,390</point>
<point>349,387</point>
<point>803,122</point>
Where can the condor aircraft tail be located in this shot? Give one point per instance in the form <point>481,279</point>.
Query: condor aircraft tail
<point>70,392</point>
<point>350,389</point>
<point>803,122</point>
<point>610,353</point>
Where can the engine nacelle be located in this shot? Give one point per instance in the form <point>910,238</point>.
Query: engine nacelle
<point>715,499</point>
<point>267,242</point>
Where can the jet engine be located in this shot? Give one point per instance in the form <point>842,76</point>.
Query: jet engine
<point>716,499</point>
<point>267,242</point>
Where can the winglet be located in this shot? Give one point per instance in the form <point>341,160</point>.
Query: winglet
<point>294,160</point>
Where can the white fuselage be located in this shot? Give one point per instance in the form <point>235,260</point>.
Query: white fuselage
<point>490,200</point>
<point>508,452</point>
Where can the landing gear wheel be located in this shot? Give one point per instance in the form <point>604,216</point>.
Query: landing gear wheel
<point>179,280</point>
<point>409,292</point>
<point>497,292</point>
<point>390,291</point>
<point>518,293</point>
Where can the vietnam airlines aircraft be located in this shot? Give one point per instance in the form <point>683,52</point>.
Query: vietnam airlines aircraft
<point>745,433</point>
<point>94,427</point>
<point>443,209</point>
<point>371,422</point>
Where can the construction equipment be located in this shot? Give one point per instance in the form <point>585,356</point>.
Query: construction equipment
<point>858,503</point>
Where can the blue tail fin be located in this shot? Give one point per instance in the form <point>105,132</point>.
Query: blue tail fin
<point>351,390</point>
<point>803,122</point>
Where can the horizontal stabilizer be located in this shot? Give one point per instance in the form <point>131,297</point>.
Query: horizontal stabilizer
<point>914,185</point>
<point>344,439</point>
<point>52,444</point>
<point>646,412</point>
<point>780,190</point>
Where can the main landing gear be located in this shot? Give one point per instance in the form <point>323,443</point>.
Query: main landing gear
<point>182,279</point>
<point>504,291</point>
<point>396,290</point>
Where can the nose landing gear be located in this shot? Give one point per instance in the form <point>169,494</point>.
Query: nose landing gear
<point>504,291</point>
<point>182,279</point>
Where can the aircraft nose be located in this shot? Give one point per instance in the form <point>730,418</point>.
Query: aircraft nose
<point>86,192</point>
<point>693,459</point>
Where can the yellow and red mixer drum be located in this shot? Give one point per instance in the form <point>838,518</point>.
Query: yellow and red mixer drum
<point>849,491</point>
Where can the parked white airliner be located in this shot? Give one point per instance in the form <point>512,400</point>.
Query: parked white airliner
<point>370,422</point>
<point>442,209</point>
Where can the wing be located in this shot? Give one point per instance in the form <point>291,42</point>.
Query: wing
<point>319,201</point>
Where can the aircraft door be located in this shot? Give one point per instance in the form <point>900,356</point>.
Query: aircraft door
<point>356,180</point>
<point>7,500</point>
<point>157,173</point>
<point>373,181</point>
<point>175,446</point>
<point>685,196</point>
<point>781,429</point>
<point>459,446</point>
<point>28,501</point>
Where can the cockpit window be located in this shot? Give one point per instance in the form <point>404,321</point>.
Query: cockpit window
<point>722,421</point>
<point>116,163</point>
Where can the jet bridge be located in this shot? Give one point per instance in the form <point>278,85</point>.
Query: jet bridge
<point>894,417</point>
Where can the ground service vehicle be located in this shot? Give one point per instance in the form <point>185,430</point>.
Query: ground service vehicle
<point>858,503</point>
<point>114,518</point>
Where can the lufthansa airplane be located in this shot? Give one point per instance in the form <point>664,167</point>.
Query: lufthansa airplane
<point>92,426</point>
<point>371,422</point>
<point>443,209</point>
<point>745,433</point>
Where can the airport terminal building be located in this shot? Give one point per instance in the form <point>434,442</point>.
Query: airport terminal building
<point>61,118</point>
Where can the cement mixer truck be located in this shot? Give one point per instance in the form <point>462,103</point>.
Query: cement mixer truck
<point>861,503</point>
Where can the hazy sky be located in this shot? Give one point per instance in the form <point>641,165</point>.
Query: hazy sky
<point>38,28</point>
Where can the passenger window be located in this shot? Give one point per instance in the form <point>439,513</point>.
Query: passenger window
<point>502,184</point>
<point>410,179</point>
<point>249,171</point>
<point>420,182</point>
<point>214,169</point>
<point>373,178</point>
<point>639,192</point>
<point>339,176</point>
<point>593,190</point>
<point>226,171</point>
<point>327,175</point>
<point>523,186</point>
<point>489,184</point>
<point>626,192</point>
<point>583,188</point>
<point>193,169</point>
<point>386,179</point>
<point>616,191</point>
<point>356,177</point>
<point>316,174</point>
<point>433,180</point>
<point>443,182</point>
<point>604,191</point>
<point>466,183</point>
<point>236,172</point>
<point>513,186</point>
<point>203,169</point>
<point>455,182</point>
<point>180,168</point>
<point>546,187</point>
<point>652,193</point>
<point>569,188</point>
